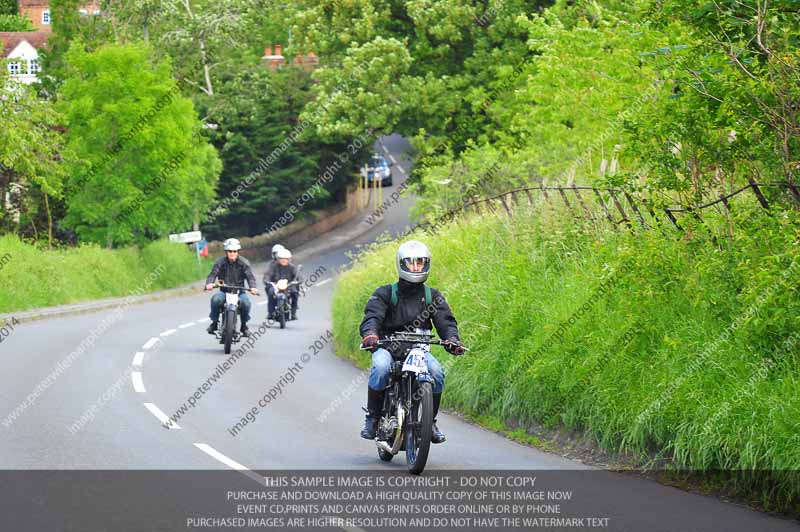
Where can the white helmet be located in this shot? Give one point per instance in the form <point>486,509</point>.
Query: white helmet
<point>275,249</point>
<point>409,252</point>
<point>284,253</point>
<point>232,244</point>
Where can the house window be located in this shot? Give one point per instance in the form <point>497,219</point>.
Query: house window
<point>83,11</point>
<point>46,16</point>
<point>33,66</point>
<point>13,68</point>
<point>96,12</point>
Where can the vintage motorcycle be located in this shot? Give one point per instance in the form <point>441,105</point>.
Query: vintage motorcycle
<point>407,418</point>
<point>283,303</point>
<point>227,331</point>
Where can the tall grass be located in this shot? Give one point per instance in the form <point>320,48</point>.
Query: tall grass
<point>652,342</point>
<point>35,278</point>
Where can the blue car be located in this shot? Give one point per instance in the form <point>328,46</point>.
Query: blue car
<point>378,169</point>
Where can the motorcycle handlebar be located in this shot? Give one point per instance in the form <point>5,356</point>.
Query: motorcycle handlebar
<point>220,284</point>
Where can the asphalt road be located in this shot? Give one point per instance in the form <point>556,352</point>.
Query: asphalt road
<point>101,410</point>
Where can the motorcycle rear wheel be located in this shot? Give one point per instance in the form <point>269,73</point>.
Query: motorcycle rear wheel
<point>419,428</point>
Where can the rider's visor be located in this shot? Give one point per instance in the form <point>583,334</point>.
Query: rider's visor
<point>415,264</point>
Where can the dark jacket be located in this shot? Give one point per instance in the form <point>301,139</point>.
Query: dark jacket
<point>383,318</point>
<point>275,272</point>
<point>235,273</point>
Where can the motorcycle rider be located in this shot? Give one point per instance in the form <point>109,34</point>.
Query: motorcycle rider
<point>232,270</point>
<point>271,265</point>
<point>283,269</point>
<point>405,310</point>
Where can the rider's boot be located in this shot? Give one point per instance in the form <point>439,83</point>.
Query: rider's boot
<point>374,407</point>
<point>294,314</point>
<point>212,327</point>
<point>437,436</point>
<point>245,330</point>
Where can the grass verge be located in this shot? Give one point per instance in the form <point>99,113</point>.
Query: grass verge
<point>673,348</point>
<point>39,278</point>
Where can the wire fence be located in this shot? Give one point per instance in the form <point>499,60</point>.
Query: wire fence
<point>617,205</point>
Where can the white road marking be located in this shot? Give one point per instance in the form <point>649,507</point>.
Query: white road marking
<point>262,303</point>
<point>150,343</point>
<point>326,281</point>
<point>215,454</point>
<point>138,383</point>
<point>190,324</point>
<point>203,320</point>
<point>162,417</point>
<point>138,359</point>
<point>168,332</point>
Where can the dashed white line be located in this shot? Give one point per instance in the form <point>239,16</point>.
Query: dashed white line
<point>162,417</point>
<point>150,343</point>
<point>204,320</point>
<point>168,332</point>
<point>325,281</point>
<point>138,383</point>
<point>190,324</point>
<point>262,303</point>
<point>138,359</point>
<point>216,455</point>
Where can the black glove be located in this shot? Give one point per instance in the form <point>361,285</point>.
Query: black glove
<point>370,341</point>
<point>454,346</point>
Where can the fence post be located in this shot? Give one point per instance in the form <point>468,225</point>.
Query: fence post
<point>619,208</point>
<point>530,198</point>
<point>564,197</point>
<point>603,205</point>
<point>583,204</point>
<point>761,199</point>
<point>505,205</point>
<point>672,219</point>
<point>634,207</point>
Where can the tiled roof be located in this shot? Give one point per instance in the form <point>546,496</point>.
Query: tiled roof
<point>11,39</point>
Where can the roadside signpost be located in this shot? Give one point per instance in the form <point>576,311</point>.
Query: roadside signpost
<point>189,237</point>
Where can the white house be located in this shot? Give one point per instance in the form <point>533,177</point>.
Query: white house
<point>20,53</point>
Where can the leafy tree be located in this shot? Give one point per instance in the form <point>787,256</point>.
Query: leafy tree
<point>69,25</point>
<point>30,148</point>
<point>15,23</point>
<point>256,112</point>
<point>141,169</point>
<point>8,7</point>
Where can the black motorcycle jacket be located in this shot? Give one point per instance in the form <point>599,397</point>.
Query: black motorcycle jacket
<point>383,318</point>
<point>232,273</point>
<point>277,272</point>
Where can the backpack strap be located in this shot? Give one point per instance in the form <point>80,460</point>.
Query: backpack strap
<point>428,296</point>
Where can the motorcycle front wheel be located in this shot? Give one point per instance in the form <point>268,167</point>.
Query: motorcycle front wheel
<point>419,428</point>
<point>227,332</point>
<point>282,315</point>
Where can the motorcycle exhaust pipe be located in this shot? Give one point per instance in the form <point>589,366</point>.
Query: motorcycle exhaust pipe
<point>384,446</point>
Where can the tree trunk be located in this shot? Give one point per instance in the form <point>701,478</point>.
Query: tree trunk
<point>49,222</point>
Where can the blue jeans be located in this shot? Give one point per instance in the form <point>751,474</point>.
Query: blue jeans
<point>382,365</point>
<point>218,301</point>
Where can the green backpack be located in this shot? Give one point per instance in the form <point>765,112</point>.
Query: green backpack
<point>428,297</point>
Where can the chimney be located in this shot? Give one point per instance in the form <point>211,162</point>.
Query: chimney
<point>278,49</point>
<point>268,50</point>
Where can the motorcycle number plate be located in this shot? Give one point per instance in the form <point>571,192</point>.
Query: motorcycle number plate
<point>232,299</point>
<point>416,361</point>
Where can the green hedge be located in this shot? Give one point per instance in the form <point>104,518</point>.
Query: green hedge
<point>652,342</point>
<point>38,278</point>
